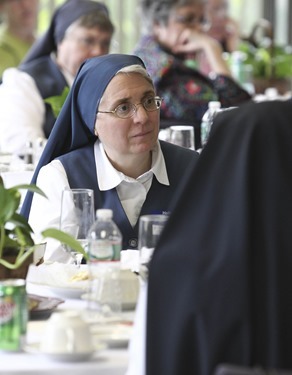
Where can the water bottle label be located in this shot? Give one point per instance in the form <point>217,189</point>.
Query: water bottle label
<point>117,251</point>
<point>105,250</point>
<point>101,250</point>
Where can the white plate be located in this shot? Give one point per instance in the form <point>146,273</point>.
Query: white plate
<point>66,292</point>
<point>126,306</point>
<point>34,348</point>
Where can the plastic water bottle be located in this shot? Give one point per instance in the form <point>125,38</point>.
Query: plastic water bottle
<point>104,247</point>
<point>104,238</point>
<point>207,120</point>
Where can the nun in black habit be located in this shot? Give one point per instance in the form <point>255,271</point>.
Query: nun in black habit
<point>79,29</point>
<point>220,281</point>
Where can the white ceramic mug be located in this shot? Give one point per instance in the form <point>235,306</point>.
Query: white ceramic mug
<point>66,332</point>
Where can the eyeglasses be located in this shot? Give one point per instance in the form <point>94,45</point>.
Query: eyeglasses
<point>91,43</point>
<point>127,110</point>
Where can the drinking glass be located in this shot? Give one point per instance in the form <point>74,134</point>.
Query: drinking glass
<point>77,216</point>
<point>182,135</point>
<point>150,228</point>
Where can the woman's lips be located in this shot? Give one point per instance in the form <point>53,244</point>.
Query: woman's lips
<point>141,134</point>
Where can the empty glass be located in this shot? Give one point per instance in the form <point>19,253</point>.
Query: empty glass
<point>182,135</point>
<point>150,228</point>
<point>77,216</point>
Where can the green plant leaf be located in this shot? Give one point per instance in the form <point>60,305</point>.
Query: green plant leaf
<point>9,202</point>
<point>65,239</point>
<point>15,231</point>
<point>30,187</point>
<point>19,260</point>
<point>56,102</point>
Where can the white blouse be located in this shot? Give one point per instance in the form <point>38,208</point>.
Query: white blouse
<point>52,179</point>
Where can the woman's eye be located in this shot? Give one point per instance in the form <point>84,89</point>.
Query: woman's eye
<point>149,101</point>
<point>122,108</point>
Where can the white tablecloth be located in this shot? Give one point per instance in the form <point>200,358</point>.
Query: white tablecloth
<point>108,362</point>
<point>104,362</point>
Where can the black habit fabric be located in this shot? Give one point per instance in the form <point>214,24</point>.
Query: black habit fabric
<point>220,281</point>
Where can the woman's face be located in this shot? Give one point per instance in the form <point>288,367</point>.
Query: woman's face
<point>136,135</point>
<point>217,10</point>
<point>81,43</point>
<point>21,13</point>
<point>186,17</point>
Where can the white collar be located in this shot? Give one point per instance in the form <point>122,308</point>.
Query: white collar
<point>108,177</point>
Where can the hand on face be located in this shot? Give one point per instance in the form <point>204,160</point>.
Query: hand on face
<point>191,41</point>
<point>184,31</point>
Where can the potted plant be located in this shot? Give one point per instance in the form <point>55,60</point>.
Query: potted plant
<point>16,242</point>
<point>270,63</point>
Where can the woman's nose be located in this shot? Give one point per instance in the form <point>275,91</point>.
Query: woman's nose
<point>141,114</point>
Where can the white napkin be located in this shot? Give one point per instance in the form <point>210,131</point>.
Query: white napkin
<point>130,260</point>
<point>56,274</point>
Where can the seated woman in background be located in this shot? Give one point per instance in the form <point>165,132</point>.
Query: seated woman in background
<point>17,30</point>
<point>78,30</point>
<point>106,139</point>
<point>220,281</point>
<point>172,46</point>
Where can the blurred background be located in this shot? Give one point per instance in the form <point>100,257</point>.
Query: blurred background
<point>246,12</point>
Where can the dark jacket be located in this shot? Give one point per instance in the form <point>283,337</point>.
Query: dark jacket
<point>50,82</point>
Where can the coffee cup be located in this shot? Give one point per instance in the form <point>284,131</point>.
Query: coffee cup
<point>66,332</point>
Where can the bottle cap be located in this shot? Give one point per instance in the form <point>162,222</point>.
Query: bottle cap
<point>104,213</point>
<point>214,104</point>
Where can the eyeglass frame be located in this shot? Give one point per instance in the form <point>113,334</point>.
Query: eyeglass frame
<point>135,107</point>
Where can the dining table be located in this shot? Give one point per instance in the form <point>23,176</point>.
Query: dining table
<point>107,360</point>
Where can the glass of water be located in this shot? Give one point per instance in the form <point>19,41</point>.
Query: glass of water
<point>77,216</point>
<point>150,228</point>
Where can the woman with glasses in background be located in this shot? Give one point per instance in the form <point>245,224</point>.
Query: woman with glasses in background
<point>106,139</point>
<point>177,51</point>
<point>78,30</point>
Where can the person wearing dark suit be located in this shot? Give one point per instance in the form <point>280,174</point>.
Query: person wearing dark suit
<point>220,281</point>
<point>106,139</point>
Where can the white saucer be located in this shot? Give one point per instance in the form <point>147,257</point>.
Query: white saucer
<point>34,348</point>
<point>115,341</point>
<point>113,335</point>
